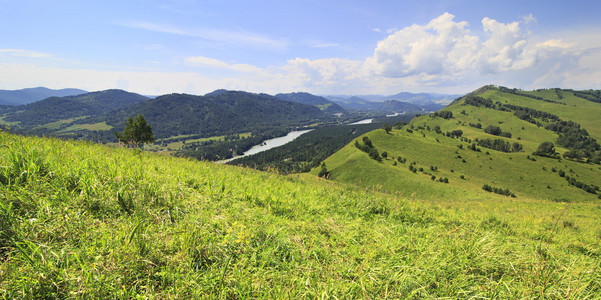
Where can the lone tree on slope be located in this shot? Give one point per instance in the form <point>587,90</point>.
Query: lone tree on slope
<point>136,133</point>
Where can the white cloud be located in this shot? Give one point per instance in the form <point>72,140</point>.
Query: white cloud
<point>218,64</point>
<point>446,47</point>
<point>442,55</point>
<point>555,43</point>
<point>25,53</point>
<point>219,35</point>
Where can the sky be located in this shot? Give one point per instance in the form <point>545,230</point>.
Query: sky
<point>321,47</point>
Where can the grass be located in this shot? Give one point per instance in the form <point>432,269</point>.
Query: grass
<point>170,145</point>
<point>425,148</point>
<point>91,127</point>
<point>80,220</point>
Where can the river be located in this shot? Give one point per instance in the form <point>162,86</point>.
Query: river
<point>268,144</point>
<point>366,121</point>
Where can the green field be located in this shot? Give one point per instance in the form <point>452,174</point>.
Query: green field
<point>535,178</point>
<point>80,220</point>
<point>169,144</point>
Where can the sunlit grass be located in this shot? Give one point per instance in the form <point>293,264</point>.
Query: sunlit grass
<point>80,220</point>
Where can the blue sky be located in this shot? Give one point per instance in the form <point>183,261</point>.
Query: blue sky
<point>322,47</point>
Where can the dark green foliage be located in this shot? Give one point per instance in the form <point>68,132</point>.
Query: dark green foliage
<point>583,186</point>
<point>455,133</point>
<point>373,153</point>
<point>437,129</point>
<point>367,141</point>
<point>443,114</point>
<point>324,171</point>
<point>496,190</point>
<point>499,145</point>
<point>384,154</point>
<point>368,148</point>
<point>386,128</point>
<point>494,130</point>
<point>546,149</point>
<point>590,95</point>
<point>524,94</point>
<point>516,147</point>
<point>136,133</point>
<point>474,148</point>
<point>478,101</point>
<point>476,125</point>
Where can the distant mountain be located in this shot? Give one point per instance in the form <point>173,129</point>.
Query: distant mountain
<point>388,106</point>
<point>25,96</point>
<point>61,108</point>
<point>218,113</point>
<point>415,98</point>
<point>322,103</point>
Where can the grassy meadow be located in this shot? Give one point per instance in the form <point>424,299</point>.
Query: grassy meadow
<point>80,220</point>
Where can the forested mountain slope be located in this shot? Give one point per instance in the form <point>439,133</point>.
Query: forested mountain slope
<point>29,95</point>
<point>215,114</point>
<point>55,109</point>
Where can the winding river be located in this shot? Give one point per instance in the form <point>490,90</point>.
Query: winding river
<point>268,144</point>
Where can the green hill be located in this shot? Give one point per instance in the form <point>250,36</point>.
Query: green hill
<point>80,220</point>
<point>322,103</point>
<point>445,146</point>
<point>66,109</point>
<point>219,113</point>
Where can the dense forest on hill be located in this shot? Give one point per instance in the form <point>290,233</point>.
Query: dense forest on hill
<point>219,114</point>
<point>55,109</point>
<point>29,95</point>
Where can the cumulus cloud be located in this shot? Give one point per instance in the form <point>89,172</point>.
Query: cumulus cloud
<point>446,47</point>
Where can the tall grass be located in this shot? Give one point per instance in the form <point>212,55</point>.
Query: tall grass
<point>79,220</point>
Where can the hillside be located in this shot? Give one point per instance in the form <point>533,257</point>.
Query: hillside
<point>55,109</point>
<point>322,103</point>
<point>80,220</point>
<point>29,95</point>
<point>214,114</point>
<point>453,144</point>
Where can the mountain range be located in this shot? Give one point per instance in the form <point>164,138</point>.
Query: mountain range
<point>54,109</point>
<point>415,98</point>
<point>29,95</point>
